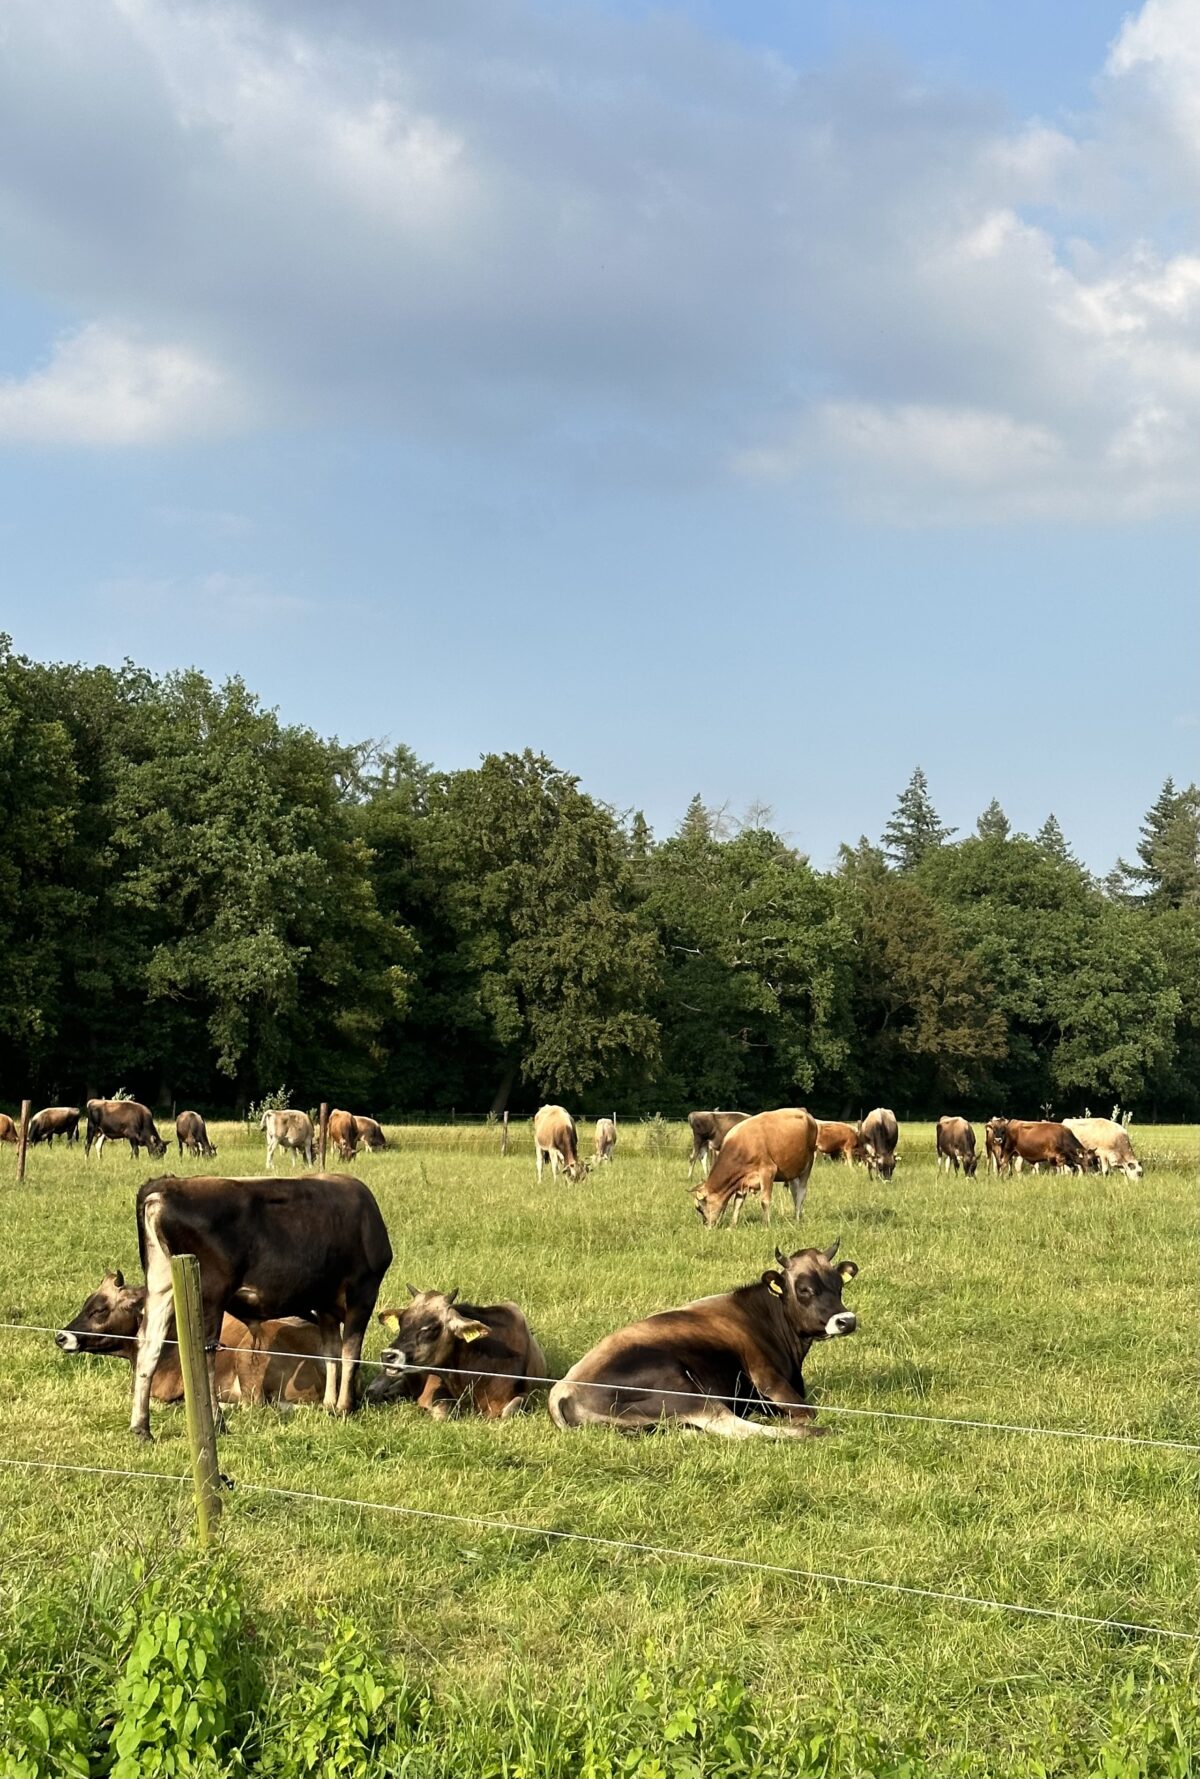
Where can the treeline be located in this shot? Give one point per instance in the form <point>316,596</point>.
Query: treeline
<point>199,902</point>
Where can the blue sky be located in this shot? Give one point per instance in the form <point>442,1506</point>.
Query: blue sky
<point>751,398</point>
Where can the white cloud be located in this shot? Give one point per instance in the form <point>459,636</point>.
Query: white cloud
<point>237,601</point>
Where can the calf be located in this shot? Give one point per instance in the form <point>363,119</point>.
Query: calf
<point>277,1361</point>
<point>719,1361</point>
<point>55,1121</point>
<point>956,1146</point>
<point>771,1146</point>
<point>1108,1142</point>
<point>484,1359</point>
<point>8,1130</point>
<point>292,1131</point>
<point>709,1130</point>
<point>370,1134</point>
<point>556,1141</point>
<point>880,1134</point>
<point>839,1141</point>
<point>316,1248</point>
<point>606,1139</point>
<point>1041,1142</point>
<point>342,1130</point>
<point>191,1133</point>
<point>123,1121</point>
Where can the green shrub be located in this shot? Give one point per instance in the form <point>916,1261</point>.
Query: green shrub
<point>348,1721</point>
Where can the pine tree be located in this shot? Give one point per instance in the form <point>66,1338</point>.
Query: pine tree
<point>915,828</point>
<point>697,822</point>
<point>1169,850</point>
<point>641,836</point>
<point>1051,839</point>
<point>993,824</point>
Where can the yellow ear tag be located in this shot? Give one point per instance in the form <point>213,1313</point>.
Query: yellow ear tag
<point>392,1322</point>
<point>473,1333</point>
<point>775,1286</point>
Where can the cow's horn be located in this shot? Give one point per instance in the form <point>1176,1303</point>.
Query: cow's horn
<point>831,1251</point>
<point>411,1289</point>
<point>782,1258</point>
<point>451,1295</point>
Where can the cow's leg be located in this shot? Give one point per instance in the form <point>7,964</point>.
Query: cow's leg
<point>715,1417</point>
<point>270,1152</point>
<point>706,1161</point>
<point>739,1199</point>
<point>774,1388</point>
<point>330,1331</point>
<point>353,1330</point>
<point>152,1334</point>
<point>308,1151</point>
<point>799,1188</point>
<point>539,1161</point>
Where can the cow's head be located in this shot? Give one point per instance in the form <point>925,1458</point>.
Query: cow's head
<point>878,1161</point>
<point>425,1331</point>
<point>711,1204</point>
<point>156,1146</point>
<point>969,1164</point>
<point>375,1141</point>
<point>108,1320</point>
<point>808,1285</point>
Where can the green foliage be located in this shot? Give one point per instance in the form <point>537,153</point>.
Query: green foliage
<point>347,1721</point>
<point>915,828</point>
<point>993,824</point>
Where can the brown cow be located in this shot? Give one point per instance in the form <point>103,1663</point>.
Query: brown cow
<point>718,1361</point>
<point>343,1133</point>
<point>191,1133</point>
<point>880,1134</point>
<point>123,1120</point>
<point>556,1141</point>
<point>839,1141</point>
<point>8,1130</point>
<point>54,1121</point>
<point>606,1139</point>
<point>709,1130</point>
<point>993,1142</point>
<point>771,1146</point>
<point>1042,1142</point>
<point>481,1358</point>
<point>370,1133</point>
<point>956,1146</point>
<point>278,1361</point>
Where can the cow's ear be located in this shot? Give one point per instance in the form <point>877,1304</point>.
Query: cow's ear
<point>118,1279</point>
<point>774,1282</point>
<point>848,1270</point>
<point>390,1320</point>
<point>470,1330</point>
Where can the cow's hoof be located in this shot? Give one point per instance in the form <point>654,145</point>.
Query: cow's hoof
<point>143,1435</point>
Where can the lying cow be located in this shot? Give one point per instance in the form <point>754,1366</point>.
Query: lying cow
<point>8,1130</point>
<point>556,1141</point>
<point>709,1130</point>
<point>288,1130</point>
<point>716,1362</point>
<point>956,1146</point>
<point>1042,1143</point>
<point>191,1133</point>
<point>1109,1143</point>
<point>342,1131</point>
<point>317,1248</point>
<point>606,1139</point>
<point>467,1346</point>
<point>370,1134</point>
<point>55,1121</point>
<point>277,1361</point>
<point>839,1142</point>
<point>771,1146</point>
<point>880,1134</point>
<point>123,1121</point>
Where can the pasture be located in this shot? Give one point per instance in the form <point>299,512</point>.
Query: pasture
<point>1055,1302</point>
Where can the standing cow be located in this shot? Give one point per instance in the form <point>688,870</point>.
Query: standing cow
<point>993,1142</point>
<point>709,1130</point>
<point>8,1130</point>
<point>342,1131</point>
<point>771,1146</point>
<point>1109,1142</point>
<point>606,1139</point>
<point>55,1121</point>
<point>1040,1142</point>
<point>880,1134</point>
<point>839,1141</point>
<point>123,1121</point>
<point>191,1133</point>
<point>292,1131</point>
<point>556,1141</point>
<point>370,1134</point>
<point>956,1146</point>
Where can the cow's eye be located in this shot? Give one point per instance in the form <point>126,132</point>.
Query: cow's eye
<point>804,1293</point>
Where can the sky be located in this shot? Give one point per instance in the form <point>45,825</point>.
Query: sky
<point>750,397</point>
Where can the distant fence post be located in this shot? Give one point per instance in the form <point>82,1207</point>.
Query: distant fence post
<point>324,1141</point>
<point>504,1137</point>
<point>23,1138</point>
<point>197,1394</point>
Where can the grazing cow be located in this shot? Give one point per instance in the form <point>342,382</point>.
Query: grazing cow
<point>316,1248</point>
<point>716,1362</point>
<point>55,1121</point>
<point>556,1141</point>
<point>123,1121</point>
<point>956,1146</point>
<point>288,1130</point>
<point>839,1141</point>
<point>771,1146</point>
<point>1041,1142</point>
<point>8,1130</point>
<point>370,1134</point>
<point>993,1142</point>
<point>343,1133</point>
<point>709,1130</point>
<point>484,1357</point>
<point>606,1139</point>
<point>277,1361</point>
<point>191,1133</point>
<point>880,1133</point>
<point>1109,1142</point>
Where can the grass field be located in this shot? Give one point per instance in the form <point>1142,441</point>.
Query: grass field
<point>1055,1302</point>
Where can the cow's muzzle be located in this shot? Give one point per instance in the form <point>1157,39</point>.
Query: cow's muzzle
<point>845,1323</point>
<point>393,1359</point>
<point>66,1341</point>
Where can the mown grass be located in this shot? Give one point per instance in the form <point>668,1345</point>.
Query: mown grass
<point>1064,1303</point>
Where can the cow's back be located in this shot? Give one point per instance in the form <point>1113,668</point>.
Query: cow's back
<point>785,1139</point>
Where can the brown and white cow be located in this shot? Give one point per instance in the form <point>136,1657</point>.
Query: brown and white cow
<point>719,1361</point>
<point>956,1146</point>
<point>556,1141</point>
<point>993,1142</point>
<point>839,1142</point>
<point>292,1131</point>
<point>276,1361</point>
<point>55,1121</point>
<point>191,1133</point>
<point>606,1139</point>
<point>771,1146</point>
<point>8,1130</point>
<point>709,1130</point>
<point>1041,1142</point>
<point>445,1355</point>
<point>123,1121</point>
<point>1109,1142</point>
<point>317,1248</point>
<point>370,1134</point>
<point>342,1131</point>
<point>880,1134</point>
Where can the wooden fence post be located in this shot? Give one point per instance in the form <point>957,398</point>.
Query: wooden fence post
<point>504,1138</point>
<point>324,1128</point>
<point>197,1394</point>
<point>23,1139</point>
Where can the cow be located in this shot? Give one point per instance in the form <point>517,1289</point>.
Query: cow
<point>8,1130</point>
<point>317,1247</point>
<point>709,1130</point>
<point>606,1139</point>
<point>191,1133</point>
<point>1109,1142</point>
<point>993,1142</point>
<point>370,1134</point>
<point>556,1141</point>
<point>956,1146</point>
<point>1041,1142</point>
<point>123,1121</point>
<point>719,1361</point>
<point>880,1134</point>
<point>55,1121</point>
<point>771,1146</point>
<point>343,1133</point>
<point>276,1361</point>
<point>444,1355</point>
<point>839,1141</point>
<point>288,1130</point>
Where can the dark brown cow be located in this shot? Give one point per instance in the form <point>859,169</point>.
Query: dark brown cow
<point>343,1133</point>
<point>54,1121</point>
<point>839,1142</point>
<point>124,1120</point>
<point>316,1247</point>
<point>880,1134</point>
<point>709,1130</point>
<point>191,1133</point>
<point>771,1146</point>
<point>277,1361</point>
<point>468,1345</point>
<point>993,1142</point>
<point>956,1146</point>
<point>1040,1142</point>
<point>370,1134</point>
<point>8,1130</point>
<point>716,1362</point>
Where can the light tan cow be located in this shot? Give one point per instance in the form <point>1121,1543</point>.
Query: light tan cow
<point>288,1130</point>
<point>606,1139</point>
<point>771,1146</point>
<point>1109,1142</point>
<point>556,1141</point>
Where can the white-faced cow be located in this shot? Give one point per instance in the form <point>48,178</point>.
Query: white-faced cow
<point>123,1121</point>
<point>316,1247</point>
<point>1109,1142</point>
<point>606,1139</point>
<point>717,1362</point>
<point>556,1141</point>
<point>956,1146</point>
<point>443,1355</point>
<point>55,1121</point>
<point>880,1134</point>
<point>839,1142</point>
<point>771,1146</point>
<point>191,1133</point>
<point>709,1130</point>
<point>292,1131</point>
